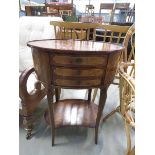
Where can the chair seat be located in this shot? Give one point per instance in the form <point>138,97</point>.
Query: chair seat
<point>73,112</point>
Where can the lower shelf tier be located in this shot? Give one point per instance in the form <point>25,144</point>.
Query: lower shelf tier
<point>73,112</point>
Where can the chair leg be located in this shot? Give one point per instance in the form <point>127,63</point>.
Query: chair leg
<point>132,152</point>
<point>127,131</point>
<point>110,114</point>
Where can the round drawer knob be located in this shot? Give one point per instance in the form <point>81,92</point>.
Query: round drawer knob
<point>78,60</point>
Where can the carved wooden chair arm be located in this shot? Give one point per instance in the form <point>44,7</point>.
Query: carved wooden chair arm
<point>130,76</point>
<point>29,100</point>
<point>36,94</point>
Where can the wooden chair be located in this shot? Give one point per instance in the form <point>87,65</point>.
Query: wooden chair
<point>127,96</point>
<point>112,34</point>
<point>131,15</point>
<point>126,86</point>
<point>129,54</point>
<point>65,13</point>
<point>29,100</point>
<point>107,6</point>
<point>74,30</point>
<point>124,35</point>
<point>124,8</point>
<point>121,6</point>
<point>126,59</point>
<point>89,10</point>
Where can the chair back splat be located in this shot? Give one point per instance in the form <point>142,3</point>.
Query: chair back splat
<point>75,30</point>
<point>112,33</point>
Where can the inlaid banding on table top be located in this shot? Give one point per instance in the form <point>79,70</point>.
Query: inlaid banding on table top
<point>71,46</point>
<point>74,112</point>
<point>79,60</point>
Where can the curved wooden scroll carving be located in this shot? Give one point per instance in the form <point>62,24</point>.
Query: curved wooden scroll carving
<point>30,100</point>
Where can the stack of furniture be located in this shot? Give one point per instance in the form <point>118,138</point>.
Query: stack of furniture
<point>50,9</point>
<point>125,13</point>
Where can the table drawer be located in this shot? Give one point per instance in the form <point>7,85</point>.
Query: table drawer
<point>79,72</point>
<point>77,83</point>
<point>79,60</point>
